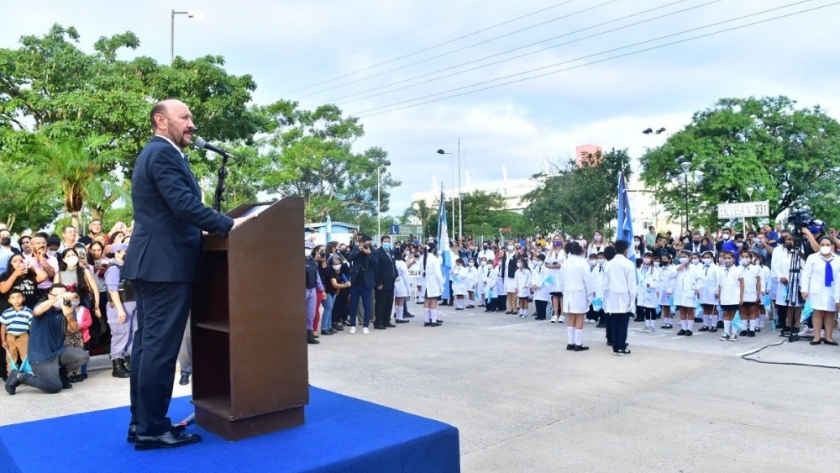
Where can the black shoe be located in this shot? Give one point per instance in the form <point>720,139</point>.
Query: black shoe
<point>310,338</point>
<point>600,326</point>
<point>390,325</point>
<point>76,378</point>
<point>400,321</point>
<point>681,332</point>
<point>609,343</point>
<point>621,352</point>
<point>338,328</point>
<point>720,324</point>
<point>570,347</point>
<point>12,382</point>
<point>167,440</point>
<point>127,363</point>
<point>185,379</point>
<point>326,332</point>
<point>379,327</point>
<point>408,316</point>
<point>713,329</point>
<point>688,333</point>
<point>436,324</point>
<point>704,329</point>
<point>118,370</point>
<point>667,327</point>
<point>743,333</point>
<point>750,333</point>
<point>581,348</point>
<point>758,330</point>
<point>638,320</point>
<point>62,375</point>
<point>131,437</point>
<point>427,324</point>
<point>540,318</point>
<point>698,320</point>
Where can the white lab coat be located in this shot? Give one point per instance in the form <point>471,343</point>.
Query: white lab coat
<point>667,280</point>
<point>523,283</point>
<point>402,284</point>
<point>432,276</point>
<point>780,268</point>
<point>729,285</point>
<point>539,277</point>
<point>578,291</point>
<point>709,286</point>
<point>595,248</point>
<point>687,282</point>
<point>813,282</point>
<point>460,280</point>
<point>619,286</point>
<point>648,293</point>
<point>488,280</point>
<point>596,276</point>
<point>472,278</point>
<point>750,275</point>
<point>500,271</point>
<point>555,257</point>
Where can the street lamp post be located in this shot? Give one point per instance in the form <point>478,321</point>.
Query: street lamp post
<point>452,171</point>
<point>379,198</point>
<point>196,14</point>
<point>685,165</point>
<point>749,193</point>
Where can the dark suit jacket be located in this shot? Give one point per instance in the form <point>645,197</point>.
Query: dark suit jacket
<point>386,273</point>
<point>361,260</point>
<point>168,218</point>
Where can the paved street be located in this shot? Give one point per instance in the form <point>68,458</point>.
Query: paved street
<point>523,403</point>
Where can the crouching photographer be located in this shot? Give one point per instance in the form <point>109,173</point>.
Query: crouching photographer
<point>49,358</point>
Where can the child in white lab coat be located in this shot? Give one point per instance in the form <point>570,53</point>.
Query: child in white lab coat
<point>647,296</point>
<point>541,285</point>
<point>522,279</point>
<point>708,292</point>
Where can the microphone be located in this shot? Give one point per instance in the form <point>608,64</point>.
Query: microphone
<point>199,143</point>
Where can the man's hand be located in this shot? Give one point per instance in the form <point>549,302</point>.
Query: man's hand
<point>237,222</point>
<point>804,295</point>
<point>806,232</point>
<point>121,316</point>
<point>783,281</point>
<point>380,287</point>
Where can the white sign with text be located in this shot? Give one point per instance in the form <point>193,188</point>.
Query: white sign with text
<point>744,209</point>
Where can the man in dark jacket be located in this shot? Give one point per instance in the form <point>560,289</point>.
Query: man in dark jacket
<point>363,279</point>
<point>163,261</point>
<point>386,275</point>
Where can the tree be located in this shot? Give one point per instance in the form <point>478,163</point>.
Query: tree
<point>578,199</point>
<point>310,155</point>
<point>423,213</point>
<point>788,156</point>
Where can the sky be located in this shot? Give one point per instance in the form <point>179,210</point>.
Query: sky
<point>354,52</point>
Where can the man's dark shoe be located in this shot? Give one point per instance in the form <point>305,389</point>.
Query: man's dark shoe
<point>400,321</point>
<point>390,325</point>
<point>132,433</point>
<point>581,348</point>
<point>169,439</point>
<point>127,363</point>
<point>12,382</point>
<point>185,379</point>
<point>408,316</point>
<point>379,327</point>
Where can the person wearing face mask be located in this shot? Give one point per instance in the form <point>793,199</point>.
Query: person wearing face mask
<point>541,285</point>
<point>486,252</point>
<point>578,293</point>
<point>554,262</point>
<point>724,238</point>
<point>638,248</point>
<point>620,288</point>
<point>523,280</point>
<point>750,293</point>
<point>708,292</point>
<point>76,277</point>
<point>730,293</point>
<point>667,281</point>
<point>49,358</point>
<point>433,285</point>
<point>313,285</point>
<point>42,260</point>
<point>821,287</point>
<point>78,339</point>
<point>788,302</point>
<point>597,245</point>
<point>386,276</point>
<point>735,244</point>
<point>472,281</point>
<point>488,281</point>
<point>648,291</point>
<point>509,265</point>
<point>695,245</point>
<point>6,249</point>
<point>402,286</point>
<point>459,283</point>
<point>764,298</point>
<point>686,289</point>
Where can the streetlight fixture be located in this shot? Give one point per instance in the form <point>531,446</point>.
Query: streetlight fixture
<point>460,208</point>
<point>194,14</point>
<point>686,166</point>
<point>379,198</point>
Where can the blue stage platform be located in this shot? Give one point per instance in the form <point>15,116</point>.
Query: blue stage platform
<point>341,435</point>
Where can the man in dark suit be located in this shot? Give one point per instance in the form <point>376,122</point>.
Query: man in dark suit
<point>363,280</point>
<point>163,261</point>
<point>386,275</point>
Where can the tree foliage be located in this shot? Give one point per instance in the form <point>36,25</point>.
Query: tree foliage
<point>788,156</point>
<point>579,198</point>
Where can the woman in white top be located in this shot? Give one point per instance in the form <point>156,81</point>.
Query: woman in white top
<point>708,292</point>
<point>788,302</point>
<point>401,286</point>
<point>433,283</point>
<point>578,293</point>
<point>821,288</point>
<point>597,245</point>
<point>459,283</point>
<point>472,279</point>
<point>553,262</point>
<point>647,295</point>
<point>523,285</point>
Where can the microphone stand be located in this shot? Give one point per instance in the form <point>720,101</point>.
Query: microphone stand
<point>220,185</point>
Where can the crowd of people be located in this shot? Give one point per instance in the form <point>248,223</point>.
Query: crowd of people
<point>723,281</point>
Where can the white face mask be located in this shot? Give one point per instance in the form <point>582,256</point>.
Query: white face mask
<point>825,250</point>
<point>58,303</point>
<point>683,260</point>
<point>707,261</point>
<point>656,263</point>
<point>592,262</point>
<point>518,265</point>
<point>74,303</point>
<point>600,262</point>
<point>307,253</point>
<point>336,267</point>
<point>71,260</point>
<point>695,261</point>
<point>510,248</point>
<point>725,237</point>
<point>635,243</point>
<point>536,264</point>
<point>745,261</point>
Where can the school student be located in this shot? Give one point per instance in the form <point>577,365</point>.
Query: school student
<point>667,279</point>
<point>729,293</point>
<point>648,291</point>
<point>751,294</point>
<point>522,277</point>
<point>578,293</point>
<point>488,281</point>
<point>541,285</point>
<point>820,286</point>
<point>433,283</point>
<point>708,293</point>
<point>620,295</point>
<point>685,292</point>
<point>459,283</point>
<point>472,279</point>
<point>554,262</point>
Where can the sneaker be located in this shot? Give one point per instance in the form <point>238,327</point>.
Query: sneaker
<point>704,329</point>
<point>807,332</point>
<point>353,329</point>
<point>681,332</point>
<point>713,329</point>
<point>724,337</point>
<point>365,330</point>
<point>561,319</point>
<point>554,319</point>
<point>733,338</point>
<point>688,333</point>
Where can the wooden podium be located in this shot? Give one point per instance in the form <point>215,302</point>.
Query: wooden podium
<point>248,322</point>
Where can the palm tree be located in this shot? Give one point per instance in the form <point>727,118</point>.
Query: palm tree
<point>421,211</point>
<point>78,168</point>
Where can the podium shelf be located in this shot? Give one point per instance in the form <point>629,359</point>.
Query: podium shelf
<point>219,405</point>
<point>215,326</point>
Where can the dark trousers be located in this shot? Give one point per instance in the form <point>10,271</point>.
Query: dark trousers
<point>541,309</point>
<point>501,303</point>
<point>364,293</point>
<point>619,324</point>
<point>384,305</point>
<point>607,321</point>
<point>48,376</point>
<point>162,311</point>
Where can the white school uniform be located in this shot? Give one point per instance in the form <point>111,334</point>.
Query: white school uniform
<point>729,285</point>
<point>472,278</point>
<point>500,280</point>
<point>813,282</point>
<point>667,280</point>
<point>432,276</point>
<point>576,286</point>
<point>460,279</point>
<point>555,257</point>
<point>750,275</point>
<point>597,278</point>
<point>620,286</point>
<point>539,277</point>
<point>780,268</point>
<point>647,295</point>
<point>401,284</point>
<point>709,286</point>
<point>488,280</point>
<point>687,282</point>
<point>595,248</point>
<point>523,283</point>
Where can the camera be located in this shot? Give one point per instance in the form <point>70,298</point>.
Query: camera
<point>800,218</point>
<point>67,303</point>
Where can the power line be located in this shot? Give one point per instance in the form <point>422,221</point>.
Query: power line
<point>296,74</point>
<point>383,92</point>
<point>360,114</point>
<point>495,38</point>
<point>435,46</point>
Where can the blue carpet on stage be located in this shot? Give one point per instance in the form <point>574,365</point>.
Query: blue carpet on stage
<point>341,434</point>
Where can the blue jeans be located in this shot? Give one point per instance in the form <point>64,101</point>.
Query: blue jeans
<point>364,293</point>
<point>326,317</point>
